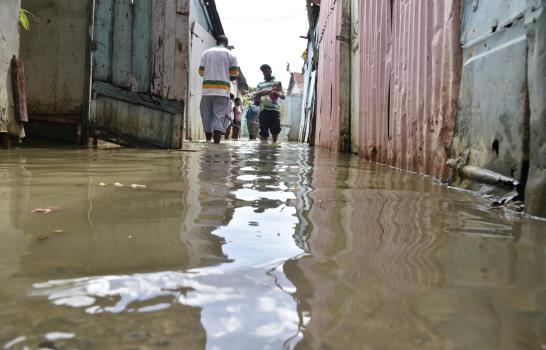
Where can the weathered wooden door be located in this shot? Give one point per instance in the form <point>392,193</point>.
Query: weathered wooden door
<point>139,75</point>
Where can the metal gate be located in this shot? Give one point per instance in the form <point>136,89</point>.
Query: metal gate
<point>139,74</point>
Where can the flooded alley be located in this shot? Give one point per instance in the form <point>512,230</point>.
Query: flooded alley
<point>257,246</point>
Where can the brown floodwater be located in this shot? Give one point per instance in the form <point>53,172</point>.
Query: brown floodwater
<point>257,246</point>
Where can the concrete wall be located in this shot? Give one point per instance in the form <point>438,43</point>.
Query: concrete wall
<point>493,100</point>
<point>54,52</point>
<point>9,46</point>
<point>201,40</point>
<point>294,103</point>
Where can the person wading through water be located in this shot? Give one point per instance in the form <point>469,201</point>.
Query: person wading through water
<point>218,67</point>
<point>268,92</point>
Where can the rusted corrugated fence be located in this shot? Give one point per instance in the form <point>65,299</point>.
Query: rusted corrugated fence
<point>410,62</point>
<point>328,91</point>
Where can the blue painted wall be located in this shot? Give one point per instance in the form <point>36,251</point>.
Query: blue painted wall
<point>199,14</point>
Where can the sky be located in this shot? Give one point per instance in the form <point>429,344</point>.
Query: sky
<point>265,31</point>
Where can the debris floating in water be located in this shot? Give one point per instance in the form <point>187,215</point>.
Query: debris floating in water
<point>102,184</point>
<point>45,210</point>
<point>117,184</point>
<point>138,186</point>
<point>58,232</point>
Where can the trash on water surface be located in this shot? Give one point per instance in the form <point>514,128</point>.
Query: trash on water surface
<point>45,210</point>
<point>138,186</point>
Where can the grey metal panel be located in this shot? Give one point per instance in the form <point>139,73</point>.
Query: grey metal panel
<point>102,39</point>
<point>482,18</point>
<point>493,101</point>
<point>536,185</point>
<point>123,37</point>
<point>142,12</point>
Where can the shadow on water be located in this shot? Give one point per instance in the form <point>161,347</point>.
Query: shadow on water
<point>254,246</point>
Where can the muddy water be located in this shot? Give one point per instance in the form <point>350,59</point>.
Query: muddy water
<point>249,246</point>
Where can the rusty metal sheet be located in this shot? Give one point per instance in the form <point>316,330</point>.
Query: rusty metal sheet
<point>409,83</point>
<point>19,95</point>
<point>535,196</point>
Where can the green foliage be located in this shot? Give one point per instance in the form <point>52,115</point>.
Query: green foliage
<point>23,18</point>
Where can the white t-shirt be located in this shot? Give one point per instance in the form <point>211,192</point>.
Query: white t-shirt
<point>218,67</point>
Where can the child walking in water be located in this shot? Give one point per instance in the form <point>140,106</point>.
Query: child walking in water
<point>252,122</point>
<point>236,125</point>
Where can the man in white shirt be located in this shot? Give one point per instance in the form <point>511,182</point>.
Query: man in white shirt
<point>218,67</point>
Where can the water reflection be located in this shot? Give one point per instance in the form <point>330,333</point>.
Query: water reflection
<point>254,246</point>
<point>399,262</point>
<point>206,243</point>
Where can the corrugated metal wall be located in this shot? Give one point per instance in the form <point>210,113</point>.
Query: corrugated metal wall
<point>328,75</point>
<point>410,59</point>
<point>355,75</point>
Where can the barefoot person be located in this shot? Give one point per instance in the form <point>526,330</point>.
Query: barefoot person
<point>269,91</point>
<point>218,67</point>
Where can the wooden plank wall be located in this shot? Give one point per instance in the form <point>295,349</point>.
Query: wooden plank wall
<point>181,59</point>
<point>104,26</point>
<point>158,28</point>
<point>141,45</point>
<point>169,47</point>
<point>122,40</point>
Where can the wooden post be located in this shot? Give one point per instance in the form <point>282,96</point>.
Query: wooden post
<point>19,95</point>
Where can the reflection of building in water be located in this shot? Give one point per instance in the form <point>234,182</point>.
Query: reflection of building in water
<point>109,226</point>
<point>361,270</point>
<point>12,236</point>
<point>391,265</point>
